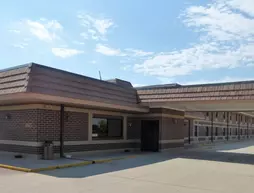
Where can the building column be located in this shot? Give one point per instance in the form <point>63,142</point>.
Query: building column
<point>189,131</point>
<point>62,130</point>
<point>90,126</point>
<point>125,127</point>
<point>247,127</point>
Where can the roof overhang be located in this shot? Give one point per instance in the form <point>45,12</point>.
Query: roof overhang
<point>26,98</point>
<point>203,106</point>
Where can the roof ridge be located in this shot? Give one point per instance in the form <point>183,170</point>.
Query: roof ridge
<point>17,67</point>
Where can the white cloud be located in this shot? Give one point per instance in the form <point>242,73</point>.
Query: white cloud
<point>78,42</point>
<point>136,52</point>
<point>105,50</point>
<point>95,28</point>
<point>20,45</point>
<point>245,6</point>
<point>102,25</point>
<point>53,24</point>
<point>129,54</point>
<point>226,40</point>
<point>93,62</point>
<point>65,52</point>
<point>44,30</point>
<point>14,31</point>
<point>225,79</point>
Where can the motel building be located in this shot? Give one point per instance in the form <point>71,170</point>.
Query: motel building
<point>78,114</point>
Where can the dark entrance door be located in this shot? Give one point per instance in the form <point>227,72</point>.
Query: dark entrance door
<point>150,135</point>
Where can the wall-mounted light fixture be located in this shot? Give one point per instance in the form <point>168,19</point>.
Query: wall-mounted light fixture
<point>129,124</point>
<point>8,116</point>
<point>174,120</point>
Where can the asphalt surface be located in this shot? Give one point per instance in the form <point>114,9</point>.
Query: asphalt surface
<point>225,168</point>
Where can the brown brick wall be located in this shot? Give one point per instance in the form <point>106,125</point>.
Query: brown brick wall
<point>133,130</point>
<point>186,127</point>
<point>21,125</point>
<point>172,128</point>
<point>48,125</point>
<point>39,125</point>
<point>76,126</point>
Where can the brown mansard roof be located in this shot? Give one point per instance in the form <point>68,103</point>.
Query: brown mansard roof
<point>35,78</point>
<point>243,90</point>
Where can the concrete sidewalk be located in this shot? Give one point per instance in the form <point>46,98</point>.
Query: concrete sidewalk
<point>28,164</point>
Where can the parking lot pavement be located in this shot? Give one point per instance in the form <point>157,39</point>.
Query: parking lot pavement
<point>219,169</point>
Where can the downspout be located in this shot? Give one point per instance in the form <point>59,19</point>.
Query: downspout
<point>212,127</point>
<point>62,130</point>
<point>189,133</point>
<point>227,124</point>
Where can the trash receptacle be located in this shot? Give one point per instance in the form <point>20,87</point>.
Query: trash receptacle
<point>48,150</point>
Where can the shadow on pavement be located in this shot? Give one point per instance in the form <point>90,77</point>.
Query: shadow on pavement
<point>148,159</point>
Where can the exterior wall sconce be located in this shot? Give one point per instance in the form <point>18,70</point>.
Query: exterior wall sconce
<point>129,124</point>
<point>174,120</point>
<point>7,116</point>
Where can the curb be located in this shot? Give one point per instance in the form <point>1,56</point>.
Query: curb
<point>112,159</point>
<point>15,168</point>
<point>83,163</point>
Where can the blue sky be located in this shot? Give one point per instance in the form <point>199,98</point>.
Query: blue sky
<point>145,42</point>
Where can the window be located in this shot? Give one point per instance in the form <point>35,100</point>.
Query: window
<point>229,131</point>
<point>236,131</point>
<point>107,127</point>
<point>224,115</point>
<point>230,117</point>
<point>216,131</point>
<point>236,117</point>
<point>241,131</point>
<point>207,131</point>
<point>196,131</point>
<point>216,114</point>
